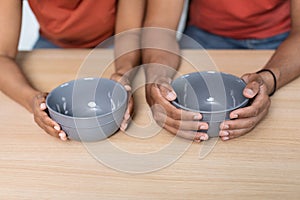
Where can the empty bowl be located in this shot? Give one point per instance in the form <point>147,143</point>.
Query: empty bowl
<point>213,94</point>
<point>88,109</point>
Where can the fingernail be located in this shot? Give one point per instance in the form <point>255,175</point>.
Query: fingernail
<point>197,117</point>
<point>43,106</point>
<point>64,138</point>
<point>225,138</point>
<point>127,88</point>
<point>203,137</point>
<point>126,116</point>
<point>56,128</point>
<point>225,126</point>
<point>123,127</point>
<point>203,127</point>
<point>171,96</point>
<point>224,133</point>
<point>61,134</point>
<point>234,116</point>
<point>249,92</point>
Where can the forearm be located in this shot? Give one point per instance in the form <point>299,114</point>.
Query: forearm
<point>127,53</point>
<point>159,42</point>
<point>14,84</point>
<point>285,62</point>
<point>127,39</point>
<point>161,53</point>
<point>160,63</point>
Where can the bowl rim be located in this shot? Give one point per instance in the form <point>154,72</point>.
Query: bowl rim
<point>92,117</point>
<point>242,104</point>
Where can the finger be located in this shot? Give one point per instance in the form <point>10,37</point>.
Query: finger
<point>171,110</point>
<point>130,106</point>
<point>254,81</point>
<point>63,136</point>
<point>48,129</point>
<point>43,106</point>
<point>250,122</point>
<point>238,124</point>
<point>251,89</point>
<point>130,102</point>
<point>161,118</point>
<point>125,122</point>
<point>236,128</point>
<point>179,114</point>
<point>231,134</point>
<point>260,103</point>
<point>167,91</point>
<point>191,135</point>
<point>128,115</point>
<point>44,120</point>
<point>123,126</point>
<point>53,132</point>
<point>127,88</point>
<point>39,99</point>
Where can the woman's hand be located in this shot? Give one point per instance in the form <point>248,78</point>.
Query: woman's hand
<point>42,118</point>
<point>130,107</point>
<point>177,121</point>
<point>245,119</point>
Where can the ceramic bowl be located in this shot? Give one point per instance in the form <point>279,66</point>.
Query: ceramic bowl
<point>211,93</point>
<point>88,109</point>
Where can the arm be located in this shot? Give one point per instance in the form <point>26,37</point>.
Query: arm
<point>161,55</point>
<point>12,81</point>
<point>285,64</point>
<point>10,23</point>
<point>127,46</point>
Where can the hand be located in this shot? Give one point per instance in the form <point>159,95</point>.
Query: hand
<point>177,121</point>
<point>245,119</point>
<point>130,107</point>
<point>43,120</point>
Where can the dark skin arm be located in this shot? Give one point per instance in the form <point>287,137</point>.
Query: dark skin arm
<point>13,83</point>
<point>127,47</point>
<point>285,64</point>
<point>162,56</point>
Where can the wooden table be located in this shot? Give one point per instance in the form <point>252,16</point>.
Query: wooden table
<point>264,164</point>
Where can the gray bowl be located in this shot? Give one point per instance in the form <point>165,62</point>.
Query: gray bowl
<point>88,109</point>
<point>213,94</point>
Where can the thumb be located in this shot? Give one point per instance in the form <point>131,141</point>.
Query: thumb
<point>253,82</point>
<point>166,90</point>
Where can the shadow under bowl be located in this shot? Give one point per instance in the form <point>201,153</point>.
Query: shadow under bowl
<point>88,109</point>
<point>213,94</point>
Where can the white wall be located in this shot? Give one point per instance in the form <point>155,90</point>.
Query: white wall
<point>30,27</point>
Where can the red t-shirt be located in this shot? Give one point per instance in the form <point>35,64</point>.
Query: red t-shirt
<point>241,19</point>
<point>75,23</point>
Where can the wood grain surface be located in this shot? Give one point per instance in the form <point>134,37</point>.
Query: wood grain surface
<point>264,164</point>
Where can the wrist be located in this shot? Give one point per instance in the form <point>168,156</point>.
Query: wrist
<point>269,79</point>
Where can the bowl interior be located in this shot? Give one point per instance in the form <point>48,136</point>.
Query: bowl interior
<point>88,97</point>
<point>209,91</point>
